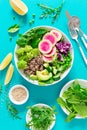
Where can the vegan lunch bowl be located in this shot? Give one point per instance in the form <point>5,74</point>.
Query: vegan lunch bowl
<point>43,55</point>
<point>73,99</point>
<point>40,117</point>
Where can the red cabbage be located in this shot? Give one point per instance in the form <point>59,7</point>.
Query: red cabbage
<point>63,48</point>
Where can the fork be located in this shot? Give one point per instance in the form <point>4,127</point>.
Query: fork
<point>77,28</point>
<point>74,36</point>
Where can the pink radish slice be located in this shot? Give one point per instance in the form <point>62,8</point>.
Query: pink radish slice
<point>57,34</point>
<point>53,51</point>
<point>52,38</point>
<point>48,59</point>
<point>45,46</point>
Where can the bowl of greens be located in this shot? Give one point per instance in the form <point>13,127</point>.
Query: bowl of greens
<point>40,117</point>
<point>43,55</point>
<point>73,99</point>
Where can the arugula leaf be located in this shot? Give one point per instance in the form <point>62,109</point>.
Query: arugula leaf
<point>14,28</point>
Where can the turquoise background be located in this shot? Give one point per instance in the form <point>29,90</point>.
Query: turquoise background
<point>49,94</point>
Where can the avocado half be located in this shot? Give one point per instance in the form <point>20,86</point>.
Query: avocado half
<point>43,75</point>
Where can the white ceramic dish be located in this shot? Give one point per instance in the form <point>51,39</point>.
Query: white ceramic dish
<point>83,84</point>
<point>28,118</point>
<point>62,76</point>
<point>18,102</point>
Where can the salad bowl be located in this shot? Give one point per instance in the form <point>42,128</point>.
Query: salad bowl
<point>40,106</point>
<point>55,58</point>
<point>80,88</point>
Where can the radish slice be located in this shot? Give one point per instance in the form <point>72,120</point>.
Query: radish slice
<point>52,38</point>
<point>57,34</point>
<point>48,59</point>
<point>53,51</point>
<point>45,46</point>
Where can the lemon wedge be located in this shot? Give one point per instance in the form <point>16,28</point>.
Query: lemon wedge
<point>19,7</point>
<point>9,74</point>
<point>6,61</point>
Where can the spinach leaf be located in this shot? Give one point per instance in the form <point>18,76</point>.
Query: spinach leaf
<point>70,117</point>
<point>32,37</point>
<point>13,28</point>
<point>63,103</point>
<point>81,109</point>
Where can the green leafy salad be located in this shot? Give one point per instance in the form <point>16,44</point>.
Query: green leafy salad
<point>41,117</point>
<point>74,100</point>
<point>43,54</point>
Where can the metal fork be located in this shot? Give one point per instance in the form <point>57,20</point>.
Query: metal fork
<point>74,36</point>
<point>75,25</point>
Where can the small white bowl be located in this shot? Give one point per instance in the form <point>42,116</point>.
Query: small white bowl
<point>83,84</point>
<point>18,102</point>
<point>28,118</point>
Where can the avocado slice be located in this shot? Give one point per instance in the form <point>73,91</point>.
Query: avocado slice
<point>43,75</point>
<point>33,77</point>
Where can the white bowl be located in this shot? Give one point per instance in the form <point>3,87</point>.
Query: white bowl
<point>83,84</point>
<point>18,102</point>
<point>28,118</point>
<point>62,76</point>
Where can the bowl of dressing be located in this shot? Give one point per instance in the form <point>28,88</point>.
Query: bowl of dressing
<point>18,94</point>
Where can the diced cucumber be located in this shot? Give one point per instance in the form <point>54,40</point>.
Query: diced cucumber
<point>46,65</point>
<point>54,70</point>
<point>61,68</point>
<point>57,76</point>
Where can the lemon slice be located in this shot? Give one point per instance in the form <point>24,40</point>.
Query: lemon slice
<point>19,7</point>
<point>9,74</point>
<point>6,61</point>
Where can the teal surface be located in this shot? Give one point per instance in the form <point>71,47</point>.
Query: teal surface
<point>49,94</point>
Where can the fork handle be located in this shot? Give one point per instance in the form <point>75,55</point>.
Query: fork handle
<point>84,35</point>
<point>83,40</point>
<point>82,53</point>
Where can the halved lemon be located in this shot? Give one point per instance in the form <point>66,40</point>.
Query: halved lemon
<point>6,61</point>
<point>9,74</point>
<point>19,7</point>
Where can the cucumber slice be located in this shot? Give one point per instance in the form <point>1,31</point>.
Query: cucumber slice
<point>57,76</point>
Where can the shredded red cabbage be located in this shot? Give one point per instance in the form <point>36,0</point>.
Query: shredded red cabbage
<point>63,48</point>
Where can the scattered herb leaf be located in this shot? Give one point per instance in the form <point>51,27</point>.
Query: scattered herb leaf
<point>51,12</point>
<point>0,88</point>
<point>33,15</point>
<point>14,28</point>
<point>14,17</point>
<point>10,38</point>
<point>12,110</point>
